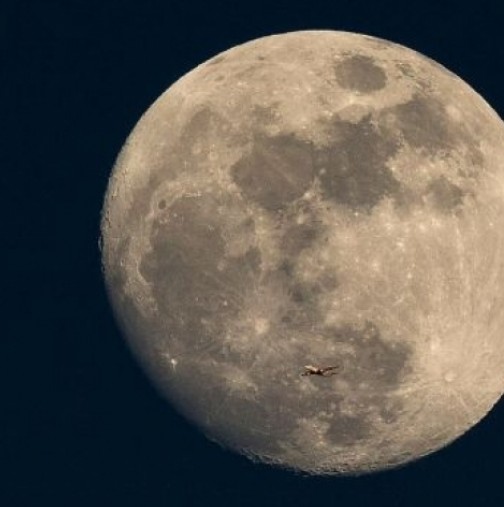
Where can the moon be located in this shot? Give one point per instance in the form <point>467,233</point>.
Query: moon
<point>323,198</point>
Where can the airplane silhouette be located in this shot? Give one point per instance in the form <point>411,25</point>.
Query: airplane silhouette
<point>322,371</point>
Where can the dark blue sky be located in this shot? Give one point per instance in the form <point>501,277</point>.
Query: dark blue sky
<point>80,425</point>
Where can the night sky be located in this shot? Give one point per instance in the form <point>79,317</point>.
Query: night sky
<point>80,425</point>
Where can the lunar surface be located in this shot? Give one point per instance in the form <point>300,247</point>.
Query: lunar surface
<point>315,198</point>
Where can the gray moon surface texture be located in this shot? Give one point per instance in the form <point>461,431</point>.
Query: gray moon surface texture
<point>322,198</point>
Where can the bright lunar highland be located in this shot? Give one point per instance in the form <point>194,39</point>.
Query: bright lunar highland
<point>315,198</point>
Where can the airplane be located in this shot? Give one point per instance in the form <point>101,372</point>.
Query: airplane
<point>322,371</point>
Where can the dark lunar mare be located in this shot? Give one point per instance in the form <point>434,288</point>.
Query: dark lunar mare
<point>188,246</point>
<point>445,195</point>
<point>190,290</point>
<point>191,296</point>
<point>197,299</point>
<point>376,368</point>
<point>277,171</point>
<point>353,168</point>
<point>361,73</point>
<point>182,269</point>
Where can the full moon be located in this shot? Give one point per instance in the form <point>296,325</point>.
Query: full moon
<point>315,198</point>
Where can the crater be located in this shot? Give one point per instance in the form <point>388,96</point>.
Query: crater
<point>353,170</point>
<point>278,171</point>
<point>360,73</point>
